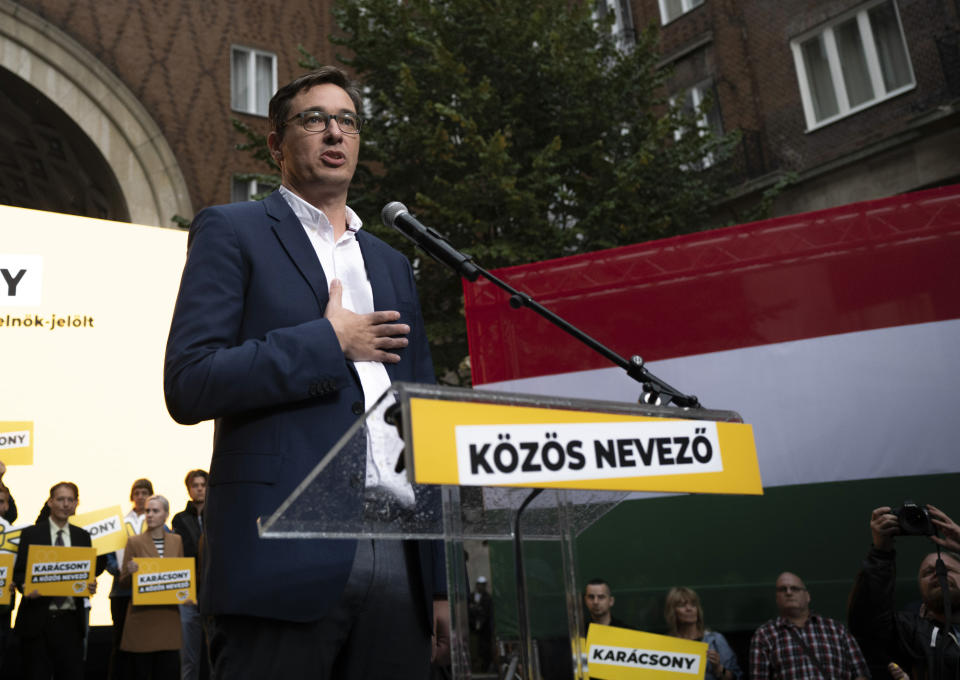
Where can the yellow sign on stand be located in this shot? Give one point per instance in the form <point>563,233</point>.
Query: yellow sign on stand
<point>622,654</point>
<point>510,445</point>
<point>164,580</point>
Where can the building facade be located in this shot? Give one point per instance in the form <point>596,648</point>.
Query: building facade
<point>850,99</point>
<point>123,110</point>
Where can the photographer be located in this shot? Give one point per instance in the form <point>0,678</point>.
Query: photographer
<point>919,641</point>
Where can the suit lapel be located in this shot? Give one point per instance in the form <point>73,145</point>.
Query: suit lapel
<point>384,295</point>
<point>297,245</point>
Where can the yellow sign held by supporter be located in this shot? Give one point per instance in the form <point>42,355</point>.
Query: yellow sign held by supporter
<point>6,573</point>
<point>16,442</point>
<point>105,527</point>
<point>622,654</point>
<point>164,580</point>
<point>57,571</point>
<point>508,445</point>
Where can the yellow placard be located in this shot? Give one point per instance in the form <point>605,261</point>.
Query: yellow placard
<point>164,580</point>
<point>106,528</point>
<point>6,576</point>
<point>56,570</point>
<point>16,442</point>
<point>479,444</point>
<point>622,654</point>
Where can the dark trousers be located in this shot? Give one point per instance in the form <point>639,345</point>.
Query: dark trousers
<point>376,631</point>
<point>119,659</point>
<point>57,650</point>
<point>162,665</point>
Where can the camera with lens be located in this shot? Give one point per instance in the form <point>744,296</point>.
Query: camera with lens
<point>914,520</point>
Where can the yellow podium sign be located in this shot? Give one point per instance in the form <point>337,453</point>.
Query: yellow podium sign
<point>58,571</point>
<point>105,527</point>
<point>509,445</point>
<point>622,654</point>
<point>6,573</point>
<point>164,580</point>
<point>16,442</point>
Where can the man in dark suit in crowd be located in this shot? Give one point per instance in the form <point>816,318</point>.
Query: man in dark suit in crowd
<point>290,322</point>
<point>51,629</point>
<point>188,523</point>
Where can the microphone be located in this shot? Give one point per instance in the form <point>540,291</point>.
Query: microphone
<point>396,215</point>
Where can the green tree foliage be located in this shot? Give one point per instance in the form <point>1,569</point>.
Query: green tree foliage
<point>521,132</point>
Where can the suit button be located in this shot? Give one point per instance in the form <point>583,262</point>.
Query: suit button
<point>357,408</point>
<point>356,480</point>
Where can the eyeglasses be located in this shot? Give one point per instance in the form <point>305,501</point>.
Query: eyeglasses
<point>790,589</point>
<point>317,121</point>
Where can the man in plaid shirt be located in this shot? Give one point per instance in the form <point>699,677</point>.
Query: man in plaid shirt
<point>798,645</point>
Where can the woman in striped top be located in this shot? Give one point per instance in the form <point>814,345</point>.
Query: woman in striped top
<point>152,632</point>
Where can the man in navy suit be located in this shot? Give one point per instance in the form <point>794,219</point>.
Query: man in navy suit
<point>51,629</point>
<point>290,322</point>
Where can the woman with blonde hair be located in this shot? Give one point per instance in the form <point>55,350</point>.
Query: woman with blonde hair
<point>684,616</point>
<point>151,633</point>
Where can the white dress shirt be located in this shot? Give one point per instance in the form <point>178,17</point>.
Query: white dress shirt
<point>342,259</point>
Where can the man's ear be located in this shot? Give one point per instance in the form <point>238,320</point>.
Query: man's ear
<point>612,600</point>
<point>273,141</point>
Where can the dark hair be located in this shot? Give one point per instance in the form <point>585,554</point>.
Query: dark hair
<point>141,483</point>
<point>280,102</point>
<point>598,582</point>
<point>195,473</point>
<point>70,485</point>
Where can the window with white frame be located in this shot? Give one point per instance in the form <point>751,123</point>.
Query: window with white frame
<point>853,63</point>
<point>622,25</point>
<point>690,103</point>
<point>243,189</point>
<point>671,9</point>
<point>253,79</point>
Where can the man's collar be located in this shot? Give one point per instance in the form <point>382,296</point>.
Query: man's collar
<point>784,622</point>
<point>314,218</point>
<point>56,527</point>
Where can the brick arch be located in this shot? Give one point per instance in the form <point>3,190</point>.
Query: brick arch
<point>112,118</point>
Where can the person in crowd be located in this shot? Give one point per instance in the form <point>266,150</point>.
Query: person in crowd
<point>291,321</point>
<point>920,643</point>
<point>684,615</point>
<point>120,594</point>
<point>599,602</point>
<point>188,524</point>
<point>8,513</point>
<point>802,644</point>
<point>6,603</point>
<point>51,629</point>
<point>480,614</point>
<point>151,633</point>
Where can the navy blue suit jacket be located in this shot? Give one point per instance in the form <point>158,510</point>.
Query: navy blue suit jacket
<point>249,347</point>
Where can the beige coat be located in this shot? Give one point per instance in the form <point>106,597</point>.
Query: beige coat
<point>150,628</point>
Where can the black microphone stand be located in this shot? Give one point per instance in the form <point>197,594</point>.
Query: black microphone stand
<point>655,391</point>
